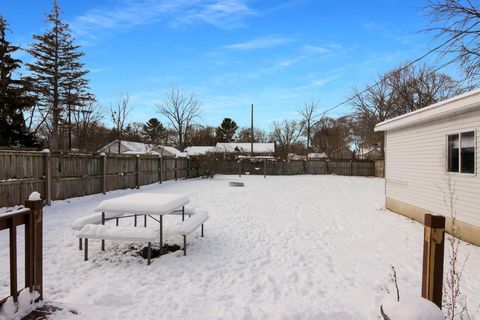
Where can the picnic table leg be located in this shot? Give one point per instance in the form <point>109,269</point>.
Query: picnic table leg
<point>145,221</point>
<point>183,213</point>
<point>116,222</point>
<point>135,220</point>
<point>202,230</point>
<point>184,245</point>
<point>149,253</point>
<point>86,250</point>
<point>80,243</point>
<point>161,234</point>
<point>103,241</point>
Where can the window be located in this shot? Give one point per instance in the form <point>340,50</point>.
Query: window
<point>461,152</point>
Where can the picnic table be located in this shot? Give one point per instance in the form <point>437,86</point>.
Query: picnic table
<point>153,205</point>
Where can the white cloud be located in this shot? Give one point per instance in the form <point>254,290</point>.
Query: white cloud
<point>260,43</point>
<point>128,13</point>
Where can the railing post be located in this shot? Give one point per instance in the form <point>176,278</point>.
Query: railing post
<point>48,177</point>
<point>137,171</point>
<point>433,253</point>
<point>104,172</point>
<point>35,204</point>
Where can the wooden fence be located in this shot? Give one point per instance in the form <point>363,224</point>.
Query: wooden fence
<point>31,218</point>
<point>60,176</point>
<point>293,167</point>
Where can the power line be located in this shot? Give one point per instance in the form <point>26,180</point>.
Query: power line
<point>321,115</point>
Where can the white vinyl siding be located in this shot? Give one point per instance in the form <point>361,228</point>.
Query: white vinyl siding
<point>416,167</point>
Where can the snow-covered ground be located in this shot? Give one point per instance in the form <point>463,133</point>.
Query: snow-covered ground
<point>296,247</point>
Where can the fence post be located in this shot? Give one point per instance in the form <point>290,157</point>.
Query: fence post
<point>48,177</point>
<point>104,172</point>
<point>188,167</point>
<point>176,168</point>
<point>351,167</point>
<point>265,168</point>
<point>160,168</point>
<point>35,204</point>
<point>137,171</point>
<point>239,168</point>
<point>433,252</point>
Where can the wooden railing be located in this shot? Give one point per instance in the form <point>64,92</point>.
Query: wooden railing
<point>31,218</point>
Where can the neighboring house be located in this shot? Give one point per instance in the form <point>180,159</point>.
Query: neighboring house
<point>130,147</point>
<point>293,156</point>
<point>199,150</point>
<point>317,155</point>
<point>264,149</point>
<point>431,159</point>
<point>373,153</point>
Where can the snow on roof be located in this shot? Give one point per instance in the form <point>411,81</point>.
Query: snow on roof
<point>365,151</point>
<point>245,147</point>
<point>137,146</point>
<point>317,155</point>
<point>172,150</point>
<point>199,150</point>
<point>454,106</point>
<point>142,152</point>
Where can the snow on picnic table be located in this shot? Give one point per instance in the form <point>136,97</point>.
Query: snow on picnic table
<point>285,247</point>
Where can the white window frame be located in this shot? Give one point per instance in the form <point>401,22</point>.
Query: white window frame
<point>459,133</point>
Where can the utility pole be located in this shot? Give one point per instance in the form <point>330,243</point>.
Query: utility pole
<point>251,133</point>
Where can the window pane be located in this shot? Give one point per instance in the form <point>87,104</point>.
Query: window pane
<point>453,148</point>
<point>468,152</point>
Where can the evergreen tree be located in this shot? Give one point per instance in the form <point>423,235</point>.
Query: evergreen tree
<point>14,98</point>
<point>226,131</point>
<point>58,75</point>
<point>154,131</point>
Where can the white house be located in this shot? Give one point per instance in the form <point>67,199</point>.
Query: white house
<point>431,159</point>
<point>130,147</point>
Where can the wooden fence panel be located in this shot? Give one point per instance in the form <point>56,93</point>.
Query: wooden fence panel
<point>363,168</point>
<point>316,167</point>
<point>379,168</point>
<point>22,165</point>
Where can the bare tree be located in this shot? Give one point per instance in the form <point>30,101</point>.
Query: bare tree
<point>333,137</point>
<point>458,22</point>
<point>401,90</point>
<point>84,123</point>
<point>181,110</point>
<point>286,133</point>
<point>119,114</point>
<point>307,113</point>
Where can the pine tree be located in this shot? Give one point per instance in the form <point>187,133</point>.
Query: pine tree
<point>226,131</point>
<point>14,98</point>
<point>154,131</point>
<point>58,75</point>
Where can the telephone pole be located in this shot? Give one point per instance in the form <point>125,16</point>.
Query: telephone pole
<point>251,133</point>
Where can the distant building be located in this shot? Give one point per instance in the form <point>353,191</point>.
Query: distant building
<point>263,149</point>
<point>371,153</point>
<point>317,155</point>
<point>199,150</point>
<point>130,147</point>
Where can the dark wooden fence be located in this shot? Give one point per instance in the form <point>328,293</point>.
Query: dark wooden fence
<point>293,167</point>
<point>60,176</point>
<point>31,218</point>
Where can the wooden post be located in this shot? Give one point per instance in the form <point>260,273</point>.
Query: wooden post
<point>351,167</point>
<point>160,168</point>
<point>239,168</point>
<point>48,177</point>
<point>176,168</point>
<point>104,173</point>
<point>265,168</point>
<point>137,171</point>
<point>433,252</point>
<point>35,205</point>
<point>188,167</point>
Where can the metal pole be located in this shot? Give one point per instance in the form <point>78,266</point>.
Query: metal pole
<point>161,234</point>
<point>103,241</point>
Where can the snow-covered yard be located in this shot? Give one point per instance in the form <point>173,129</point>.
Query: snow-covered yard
<point>297,247</point>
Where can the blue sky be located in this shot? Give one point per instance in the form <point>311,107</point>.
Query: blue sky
<point>231,53</point>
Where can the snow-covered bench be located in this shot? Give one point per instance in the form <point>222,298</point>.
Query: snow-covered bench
<point>190,225</point>
<point>94,218</point>
<point>188,211</point>
<point>118,233</point>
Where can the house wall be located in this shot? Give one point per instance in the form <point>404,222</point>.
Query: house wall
<point>416,177</point>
